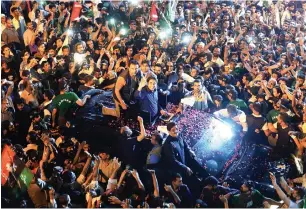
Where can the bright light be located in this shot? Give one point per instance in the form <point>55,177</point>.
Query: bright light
<point>70,32</point>
<point>222,133</point>
<point>186,39</point>
<point>112,21</point>
<point>122,31</point>
<point>133,2</point>
<point>162,35</point>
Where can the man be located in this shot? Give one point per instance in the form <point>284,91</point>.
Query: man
<point>211,192</point>
<point>201,96</point>
<point>179,193</point>
<point>255,124</point>
<point>177,156</point>
<point>250,197</point>
<point>18,21</point>
<point>232,95</point>
<point>9,34</point>
<point>106,166</point>
<point>147,96</point>
<point>123,93</point>
<point>29,95</point>
<point>154,155</point>
<point>131,149</point>
<point>64,102</point>
<point>280,139</point>
<point>29,35</point>
<point>298,193</point>
<point>3,22</point>
<point>145,69</point>
<point>232,114</point>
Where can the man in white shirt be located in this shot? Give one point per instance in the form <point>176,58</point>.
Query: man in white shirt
<point>238,116</point>
<point>3,22</point>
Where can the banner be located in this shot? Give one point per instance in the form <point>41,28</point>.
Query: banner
<point>76,11</point>
<point>153,13</point>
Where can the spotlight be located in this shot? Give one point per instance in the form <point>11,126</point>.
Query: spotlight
<point>112,21</point>
<point>162,35</point>
<point>133,2</point>
<point>69,32</point>
<point>222,133</point>
<point>123,31</point>
<point>186,39</point>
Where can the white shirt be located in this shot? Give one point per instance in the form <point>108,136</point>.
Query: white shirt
<point>239,119</point>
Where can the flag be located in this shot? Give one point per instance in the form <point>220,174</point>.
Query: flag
<point>76,11</point>
<point>153,13</point>
<point>14,173</point>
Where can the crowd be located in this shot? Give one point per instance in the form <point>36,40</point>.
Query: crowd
<point>242,61</point>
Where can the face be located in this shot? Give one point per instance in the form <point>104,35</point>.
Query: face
<point>9,24</point>
<point>6,51</point>
<point>193,72</point>
<point>197,86</point>
<point>46,67</point>
<point>20,106</point>
<point>41,48</point>
<point>157,70</point>
<point>129,52</point>
<point>133,70</point>
<point>275,92</point>
<point>65,52</point>
<point>145,68</point>
<point>30,26</point>
<point>104,156</point>
<point>178,182</point>
<point>152,84</point>
<point>244,188</point>
<point>216,52</point>
<point>174,131</point>
<point>3,19</point>
<point>80,48</point>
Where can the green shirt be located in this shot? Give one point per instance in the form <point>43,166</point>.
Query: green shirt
<point>64,102</point>
<point>240,104</point>
<point>253,200</point>
<point>272,116</point>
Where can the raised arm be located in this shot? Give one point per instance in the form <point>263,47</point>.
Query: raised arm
<point>155,183</point>
<point>142,129</point>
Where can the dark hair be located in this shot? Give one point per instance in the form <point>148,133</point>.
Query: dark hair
<point>232,109</point>
<point>49,93</point>
<point>170,125</point>
<point>51,6</point>
<point>88,78</point>
<point>4,47</point>
<point>300,191</point>
<point>175,176</point>
<point>158,138</point>
<point>211,180</point>
<point>151,78</point>
<point>146,62</point>
<point>13,9</point>
<point>65,47</point>
<point>19,101</point>
<point>133,62</point>
<point>284,117</point>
